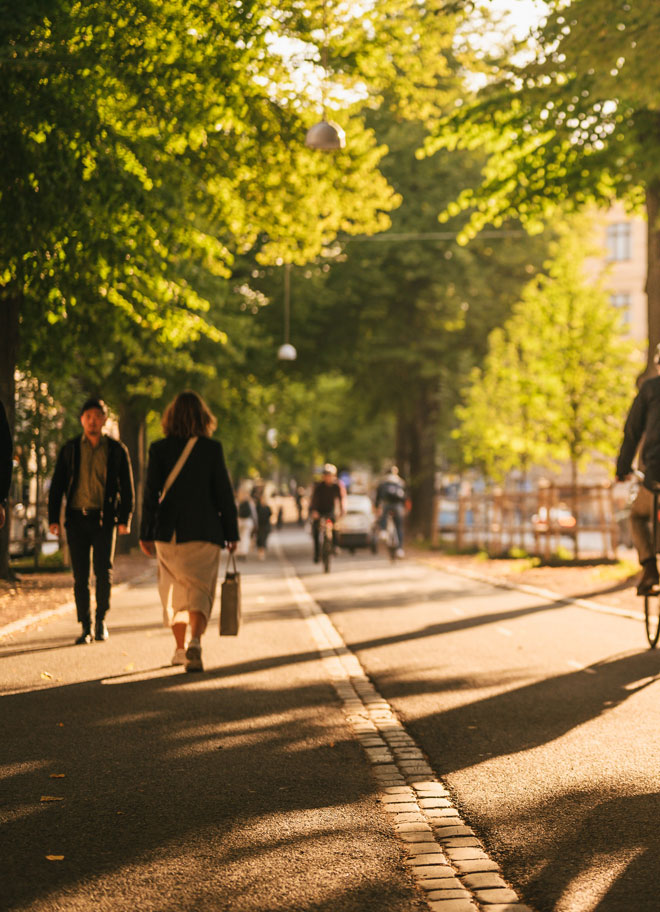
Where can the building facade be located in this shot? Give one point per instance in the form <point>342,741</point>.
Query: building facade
<point>622,237</point>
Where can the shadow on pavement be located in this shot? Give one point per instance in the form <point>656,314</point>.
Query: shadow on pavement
<point>528,716</point>
<point>617,866</point>
<point>182,792</point>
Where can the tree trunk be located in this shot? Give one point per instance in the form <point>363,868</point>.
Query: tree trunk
<point>133,433</point>
<point>422,462</point>
<point>402,454</point>
<point>653,273</point>
<point>10,306</point>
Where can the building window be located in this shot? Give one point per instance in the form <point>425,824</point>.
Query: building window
<point>621,300</point>
<point>618,241</point>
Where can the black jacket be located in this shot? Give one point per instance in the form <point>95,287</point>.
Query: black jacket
<point>6,459</point>
<point>643,421</point>
<point>118,498</point>
<point>200,505</point>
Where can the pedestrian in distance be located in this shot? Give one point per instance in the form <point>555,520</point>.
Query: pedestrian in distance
<point>264,524</point>
<point>6,463</point>
<point>300,500</point>
<point>247,523</point>
<point>188,516</point>
<point>643,426</point>
<point>93,472</point>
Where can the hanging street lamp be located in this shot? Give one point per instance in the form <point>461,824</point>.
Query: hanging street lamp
<point>326,136</point>
<point>286,351</point>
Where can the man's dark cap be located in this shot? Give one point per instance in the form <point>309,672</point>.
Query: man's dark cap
<point>94,403</point>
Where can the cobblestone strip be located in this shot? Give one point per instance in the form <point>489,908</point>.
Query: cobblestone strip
<point>446,858</point>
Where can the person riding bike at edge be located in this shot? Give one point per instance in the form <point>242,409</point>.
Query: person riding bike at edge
<point>326,494</point>
<point>643,425</point>
<point>391,499</point>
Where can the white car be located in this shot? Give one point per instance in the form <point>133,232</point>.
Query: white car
<point>357,527</point>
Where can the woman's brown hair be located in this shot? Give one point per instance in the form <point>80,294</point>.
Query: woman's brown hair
<point>188,416</point>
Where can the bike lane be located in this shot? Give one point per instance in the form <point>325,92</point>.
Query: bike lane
<point>539,714</point>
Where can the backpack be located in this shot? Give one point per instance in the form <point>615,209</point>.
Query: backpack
<point>392,492</point>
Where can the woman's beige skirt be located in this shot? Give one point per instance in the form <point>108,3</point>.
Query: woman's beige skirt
<point>187,576</point>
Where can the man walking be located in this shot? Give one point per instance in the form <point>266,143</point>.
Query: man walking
<point>94,472</point>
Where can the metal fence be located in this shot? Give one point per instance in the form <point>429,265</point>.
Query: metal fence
<point>588,520</point>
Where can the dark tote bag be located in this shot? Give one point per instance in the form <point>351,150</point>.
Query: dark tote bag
<point>230,600</point>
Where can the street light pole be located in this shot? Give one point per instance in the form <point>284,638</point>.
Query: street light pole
<point>287,352</point>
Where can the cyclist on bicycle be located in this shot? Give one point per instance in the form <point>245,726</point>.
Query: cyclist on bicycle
<point>643,422</point>
<point>328,500</point>
<point>391,499</point>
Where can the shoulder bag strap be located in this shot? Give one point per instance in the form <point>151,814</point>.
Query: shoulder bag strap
<point>178,465</point>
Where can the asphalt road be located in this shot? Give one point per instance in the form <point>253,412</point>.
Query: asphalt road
<point>542,718</point>
<point>243,788</point>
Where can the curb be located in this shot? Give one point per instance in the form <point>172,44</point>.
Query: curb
<point>556,597</point>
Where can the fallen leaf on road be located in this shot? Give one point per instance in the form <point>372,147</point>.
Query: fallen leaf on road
<point>58,775</point>
<point>51,798</point>
<point>61,724</point>
<point>129,667</point>
<point>46,675</point>
<point>55,857</point>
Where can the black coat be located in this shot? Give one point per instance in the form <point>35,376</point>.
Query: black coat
<point>118,497</point>
<point>200,505</point>
<point>643,422</point>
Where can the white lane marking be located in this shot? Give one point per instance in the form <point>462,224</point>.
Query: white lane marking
<point>581,667</point>
<point>552,597</point>
<point>504,631</point>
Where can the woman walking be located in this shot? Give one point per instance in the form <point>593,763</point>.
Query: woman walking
<point>188,515</point>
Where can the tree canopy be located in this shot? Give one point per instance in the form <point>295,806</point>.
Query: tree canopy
<point>577,122</point>
<point>558,377</point>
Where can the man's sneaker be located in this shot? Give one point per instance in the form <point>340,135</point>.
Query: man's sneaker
<point>84,638</point>
<point>100,631</point>
<point>179,657</point>
<point>193,660</point>
<point>649,579</point>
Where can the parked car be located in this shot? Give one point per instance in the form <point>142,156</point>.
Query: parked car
<point>556,518</point>
<point>23,531</point>
<point>357,527</point>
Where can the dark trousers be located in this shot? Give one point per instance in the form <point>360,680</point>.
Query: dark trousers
<point>397,515</point>
<point>88,538</point>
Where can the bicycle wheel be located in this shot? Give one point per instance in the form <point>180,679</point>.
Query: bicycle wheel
<point>326,552</point>
<point>652,618</point>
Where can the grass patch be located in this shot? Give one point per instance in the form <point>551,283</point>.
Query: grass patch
<point>621,570</point>
<point>54,561</point>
